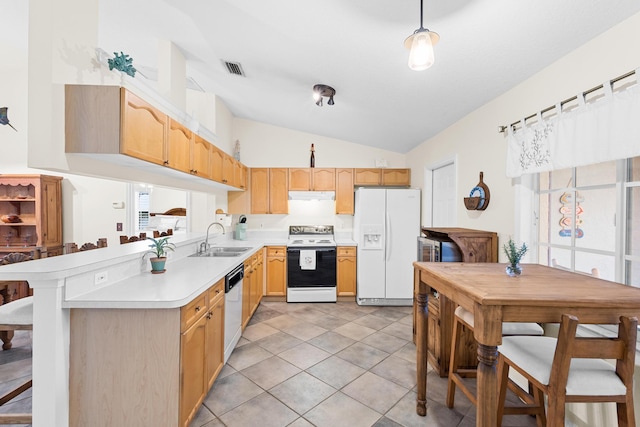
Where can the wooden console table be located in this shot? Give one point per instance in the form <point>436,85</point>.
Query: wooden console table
<point>541,294</point>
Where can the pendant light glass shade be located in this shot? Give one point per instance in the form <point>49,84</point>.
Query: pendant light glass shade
<point>421,44</point>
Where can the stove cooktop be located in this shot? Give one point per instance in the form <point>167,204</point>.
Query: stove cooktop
<point>311,235</point>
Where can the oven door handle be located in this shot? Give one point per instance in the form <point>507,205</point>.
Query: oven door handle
<point>311,248</point>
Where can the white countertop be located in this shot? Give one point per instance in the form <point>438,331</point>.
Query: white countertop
<point>130,283</point>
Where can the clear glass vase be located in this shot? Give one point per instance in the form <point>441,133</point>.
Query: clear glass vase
<point>514,270</point>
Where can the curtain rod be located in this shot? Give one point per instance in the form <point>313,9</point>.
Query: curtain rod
<point>502,129</point>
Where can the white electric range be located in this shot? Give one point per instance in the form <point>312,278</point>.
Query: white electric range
<point>311,264</point>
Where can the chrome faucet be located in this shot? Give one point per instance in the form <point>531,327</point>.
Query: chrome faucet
<point>204,246</point>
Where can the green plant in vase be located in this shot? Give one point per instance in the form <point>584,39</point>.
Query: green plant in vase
<point>514,255</point>
<point>159,249</point>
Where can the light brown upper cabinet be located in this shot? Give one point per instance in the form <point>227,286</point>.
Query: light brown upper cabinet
<point>216,156</point>
<point>344,191</point>
<point>367,176</point>
<point>179,147</point>
<point>269,191</point>
<point>111,120</point>
<point>144,129</point>
<point>396,177</point>
<point>200,163</point>
<point>382,176</point>
<point>314,179</point>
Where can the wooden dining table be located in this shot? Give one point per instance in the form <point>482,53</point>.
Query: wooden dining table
<point>541,294</point>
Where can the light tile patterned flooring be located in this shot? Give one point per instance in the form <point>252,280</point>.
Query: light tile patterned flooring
<point>309,364</point>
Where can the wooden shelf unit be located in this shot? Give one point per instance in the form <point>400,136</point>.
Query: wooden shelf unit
<point>475,246</point>
<point>36,200</point>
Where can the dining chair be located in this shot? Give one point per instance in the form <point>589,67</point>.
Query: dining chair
<point>570,369</point>
<point>464,319</point>
<point>15,315</point>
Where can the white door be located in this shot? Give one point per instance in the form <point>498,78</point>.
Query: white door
<point>403,229</point>
<point>368,226</point>
<point>443,196</point>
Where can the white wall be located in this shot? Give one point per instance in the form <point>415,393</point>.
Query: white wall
<point>266,145</point>
<point>479,147</point>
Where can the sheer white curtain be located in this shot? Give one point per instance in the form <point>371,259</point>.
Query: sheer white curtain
<point>607,129</point>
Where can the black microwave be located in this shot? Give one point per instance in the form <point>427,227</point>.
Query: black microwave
<point>431,249</point>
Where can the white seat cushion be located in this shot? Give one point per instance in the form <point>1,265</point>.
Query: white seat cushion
<point>18,312</point>
<point>587,377</point>
<point>509,328</point>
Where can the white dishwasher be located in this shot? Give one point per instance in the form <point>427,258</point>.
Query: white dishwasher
<point>232,309</point>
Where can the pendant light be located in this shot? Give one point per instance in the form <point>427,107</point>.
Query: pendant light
<point>421,43</point>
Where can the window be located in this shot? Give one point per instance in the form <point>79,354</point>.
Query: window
<point>142,209</point>
<point>589,219</point>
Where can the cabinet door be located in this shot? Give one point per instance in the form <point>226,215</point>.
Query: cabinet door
<point>215,336</point>
<point>396,177</point>
<point>200,157</point>
<point>367,176</point>
<point>346,271</point>
<point>259,190</point>
<point>179,147</point>
<point>246,294</point>
<point>193,381</point>
<point>51,213</point>
<point>278,191</point>
<point>344,191</point>
<point>276,271</point>
<point>299,179</point>
<point>324,179</point>
<point>227,169</point>
<point>217,156</point>
<point>144,130</point>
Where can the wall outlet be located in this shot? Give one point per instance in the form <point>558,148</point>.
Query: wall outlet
<point>118,226</point>
<point>100,277</point>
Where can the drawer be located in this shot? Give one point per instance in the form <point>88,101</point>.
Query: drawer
<point>193,311</point>
<point>346,251</point>
<point>273,251</point>
<point>216,291</point>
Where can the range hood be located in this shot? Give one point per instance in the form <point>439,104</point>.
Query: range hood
<point>312,195</point>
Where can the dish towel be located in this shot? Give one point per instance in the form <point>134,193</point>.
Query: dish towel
<point>308,259</point>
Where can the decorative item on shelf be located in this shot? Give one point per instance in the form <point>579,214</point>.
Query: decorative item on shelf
<point>479,197</point>
<point>421,44</point>
<point>159,248</point>
<point>4,120</point>
<point>312,160</point>
<point>514,255</point>
<point>10,218</point>
<point>236,150</point>
<point>122,62</point>
<point>323,90</point>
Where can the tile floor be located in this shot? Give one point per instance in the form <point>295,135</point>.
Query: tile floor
<point>309,365</point>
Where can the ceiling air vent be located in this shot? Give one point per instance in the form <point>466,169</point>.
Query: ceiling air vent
<point>234,68</point>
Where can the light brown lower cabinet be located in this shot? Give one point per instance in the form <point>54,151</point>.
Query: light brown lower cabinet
<point>346,271</point>
<point>154,365</point>
<point>276,271</point>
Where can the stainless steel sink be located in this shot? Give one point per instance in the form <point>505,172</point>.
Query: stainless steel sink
<point>222,251</point>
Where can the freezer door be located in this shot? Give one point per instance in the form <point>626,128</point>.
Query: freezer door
<point>369,219</point>
<point>403,226</point>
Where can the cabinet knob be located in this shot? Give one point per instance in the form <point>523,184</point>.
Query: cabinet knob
<point>166,162</point>
<point>197,308</point>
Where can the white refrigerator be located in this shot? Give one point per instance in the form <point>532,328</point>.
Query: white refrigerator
<point>386,224</point>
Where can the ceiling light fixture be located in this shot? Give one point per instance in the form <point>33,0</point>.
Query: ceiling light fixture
<point>323,90</point>
<point>421,43</point>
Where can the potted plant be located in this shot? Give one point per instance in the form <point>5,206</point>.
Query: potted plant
<point>159,249</point>
<point>514,255</point>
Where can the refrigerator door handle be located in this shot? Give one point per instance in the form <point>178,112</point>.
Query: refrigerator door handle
<point>387,236</point>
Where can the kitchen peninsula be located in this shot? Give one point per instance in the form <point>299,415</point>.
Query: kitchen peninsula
<point>116,344</point>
